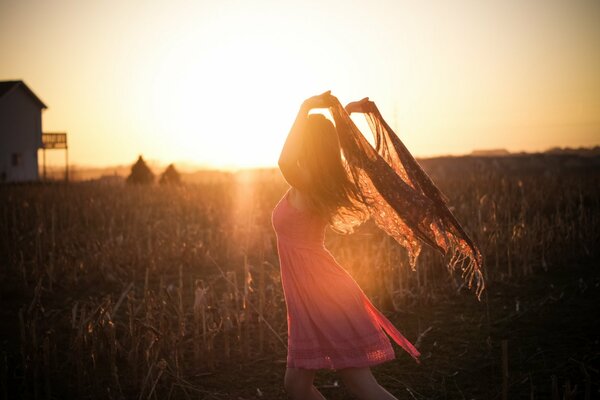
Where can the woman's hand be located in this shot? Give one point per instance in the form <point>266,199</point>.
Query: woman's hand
<point>323,100</point>
<point>359,106</point>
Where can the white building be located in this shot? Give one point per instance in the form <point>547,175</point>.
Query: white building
<point>20,132</point>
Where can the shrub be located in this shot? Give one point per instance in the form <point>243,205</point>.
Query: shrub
<point>140,173</point>
<point>170,176</point>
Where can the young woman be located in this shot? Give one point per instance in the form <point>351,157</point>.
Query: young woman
<point>331,323</point>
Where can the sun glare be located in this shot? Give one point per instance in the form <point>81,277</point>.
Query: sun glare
<point>230,104</point>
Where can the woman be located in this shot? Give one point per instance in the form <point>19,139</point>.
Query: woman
<point>331,323</point>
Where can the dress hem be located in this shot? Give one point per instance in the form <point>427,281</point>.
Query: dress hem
<point>336,366</point>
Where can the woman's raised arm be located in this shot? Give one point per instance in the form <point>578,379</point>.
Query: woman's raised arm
<point>292,148</point>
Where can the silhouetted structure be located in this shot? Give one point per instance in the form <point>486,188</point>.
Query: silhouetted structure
<point>170,176</point>
<point>21,134</point>
<point>55,140</point>
<point>140,173</point>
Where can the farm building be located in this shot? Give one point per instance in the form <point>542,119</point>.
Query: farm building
<point>20,132</point>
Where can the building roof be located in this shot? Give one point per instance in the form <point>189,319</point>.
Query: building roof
<point>8,86</point>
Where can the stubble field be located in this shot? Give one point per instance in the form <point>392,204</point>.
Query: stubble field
<point>126,292</point>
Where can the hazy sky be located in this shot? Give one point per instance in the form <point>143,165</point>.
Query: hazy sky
<point>219,82</point>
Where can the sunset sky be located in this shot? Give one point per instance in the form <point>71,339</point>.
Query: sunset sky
<point>218,83</point>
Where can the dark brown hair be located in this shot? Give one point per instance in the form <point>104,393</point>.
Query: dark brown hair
<point>331,187</point>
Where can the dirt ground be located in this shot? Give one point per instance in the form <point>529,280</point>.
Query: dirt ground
<point>549,322</point>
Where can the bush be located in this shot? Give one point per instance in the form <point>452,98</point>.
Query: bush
<point>170,176</point>
<point>140,173</point>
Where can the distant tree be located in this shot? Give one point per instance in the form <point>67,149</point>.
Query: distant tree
<point>170,176</point>
<point>140,173</point>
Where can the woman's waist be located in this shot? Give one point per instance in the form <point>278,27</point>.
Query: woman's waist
<point>301,242</point>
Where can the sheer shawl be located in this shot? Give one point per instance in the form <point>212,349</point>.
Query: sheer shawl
<point>400,197</point>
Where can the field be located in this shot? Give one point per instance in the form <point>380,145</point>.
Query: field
<point>125,292</point>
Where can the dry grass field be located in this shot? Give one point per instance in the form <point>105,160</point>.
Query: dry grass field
<point>110,291</point>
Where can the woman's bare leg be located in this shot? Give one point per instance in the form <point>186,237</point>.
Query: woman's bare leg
<point>299,384</point>
<point>362,383</point>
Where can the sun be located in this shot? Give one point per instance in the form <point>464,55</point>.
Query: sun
<point>231,104</point>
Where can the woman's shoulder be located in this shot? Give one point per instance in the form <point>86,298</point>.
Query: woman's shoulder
<point>298,199</point>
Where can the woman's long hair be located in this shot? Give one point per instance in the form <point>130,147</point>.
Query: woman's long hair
<point>331,187</point>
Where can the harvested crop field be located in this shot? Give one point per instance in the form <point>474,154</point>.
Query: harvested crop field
<point>128,292</point>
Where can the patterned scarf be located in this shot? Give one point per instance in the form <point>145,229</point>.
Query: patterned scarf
<point>399,196</point>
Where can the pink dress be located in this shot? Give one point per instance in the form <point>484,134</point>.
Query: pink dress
<point>331,322</point>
